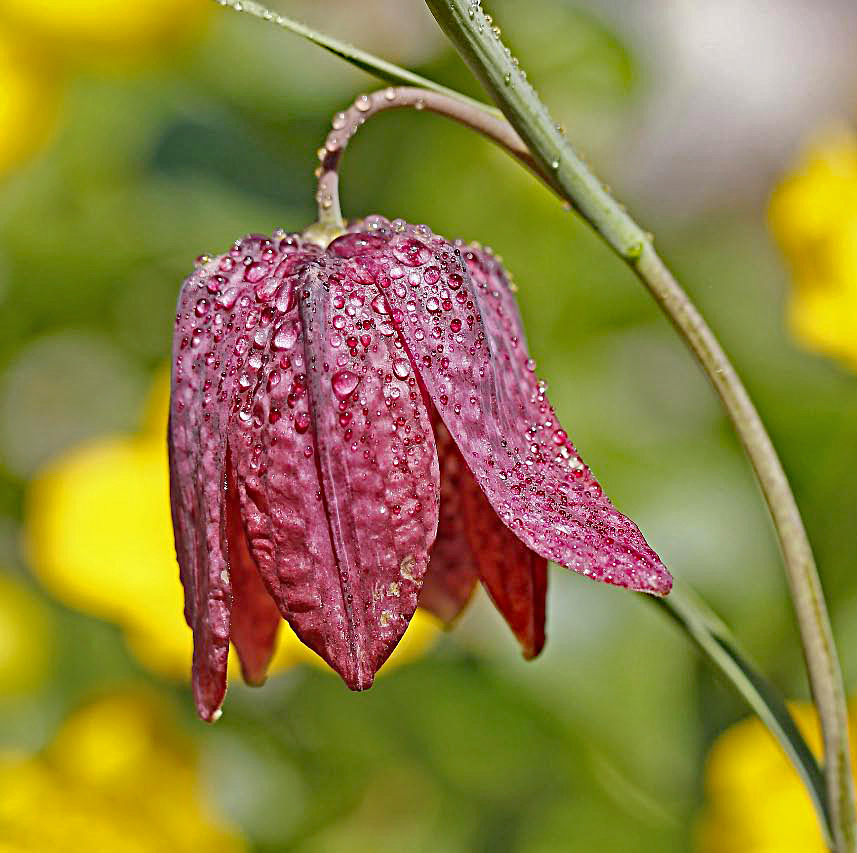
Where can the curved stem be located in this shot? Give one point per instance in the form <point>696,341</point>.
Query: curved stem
<point>346,124</point>
<point>479,43</point>
<point>574,183</point>
<point>570,178</point>
<point>710,635</point>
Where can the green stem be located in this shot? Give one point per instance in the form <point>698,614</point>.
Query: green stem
<point>347,123</point>
<point>479,43</point>
<point>704,628</point>
<point>379,68</point>
<point>712,641</point>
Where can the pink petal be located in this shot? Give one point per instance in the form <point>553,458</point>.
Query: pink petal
<point>197,451</point>
<point>255,617</point>
<point>470,351</point>
<point>336,469</point>
<point>452,571</point>
<point>473,543</point>
<point>516,577</point>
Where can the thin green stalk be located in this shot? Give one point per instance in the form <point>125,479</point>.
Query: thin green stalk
<point>379,68</point>
<point>702,626</point>
<point>478,41</point>
<point>711,639</point>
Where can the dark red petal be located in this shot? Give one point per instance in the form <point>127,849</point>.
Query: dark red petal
<point>336,468</point>
<point>473,543</point>
<point>479,375</point>
<point>516,577</point>
<point>209,347</point>
<point>255,617</point>
<point>197,455</point>
<point>452,571</point>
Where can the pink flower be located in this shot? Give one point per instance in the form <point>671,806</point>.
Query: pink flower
<point>356,431</point>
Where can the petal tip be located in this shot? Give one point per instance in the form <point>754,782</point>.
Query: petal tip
<point>360,681</point>
<point>533,650</point>
<point>254,679</point>
<point>208,714</point>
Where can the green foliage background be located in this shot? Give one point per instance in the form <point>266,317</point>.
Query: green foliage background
<point>598,745</point>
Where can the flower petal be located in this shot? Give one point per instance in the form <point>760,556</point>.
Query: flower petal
<point>479,375</point>
<point>197,454</point>
<point>255,617</point>
<point>452,571</point>
<point>473,544</point>
<point>516,577</point>
<point>336,468</point>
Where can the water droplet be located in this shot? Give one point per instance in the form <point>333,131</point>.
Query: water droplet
<point>266,289</point>
<point>285,337</point>
<point>256,271</point>
<point>402,368</point>
<point>363,103</point>
<point>379,304</point>
<point>301,422</point>
<point>339,121</point>
<point>411,252</point>
<point>344,382</point>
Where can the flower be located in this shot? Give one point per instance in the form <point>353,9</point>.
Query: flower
<point>814,218</point>
<point>755,800</point>
<point>28,103</point>
<point>97,31</point>
<point>99,538</point>
<point>26,638</point>
<point>117,776</point>
<point>41,40</point>
<point>340,415</point>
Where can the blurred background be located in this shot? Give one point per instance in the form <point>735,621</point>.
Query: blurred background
<point>137,135</point>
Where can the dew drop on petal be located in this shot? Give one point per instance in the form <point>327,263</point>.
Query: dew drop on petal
<point>379,304</point>
<point>344,382</point>
<point>411,252</point>
<point>256,272</point>
<point>285,337</point>
<point>402,368</point>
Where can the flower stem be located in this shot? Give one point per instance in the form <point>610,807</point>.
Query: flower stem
<point>704,628</point>
<point>583,191</point>
<point>478,41</point>
<point>367,62</point>
<point>346,124</point>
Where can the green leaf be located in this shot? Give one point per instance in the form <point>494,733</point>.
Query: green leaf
<point>714,640</point>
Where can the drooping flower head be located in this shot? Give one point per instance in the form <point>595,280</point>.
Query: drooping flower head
<point>357,430</point>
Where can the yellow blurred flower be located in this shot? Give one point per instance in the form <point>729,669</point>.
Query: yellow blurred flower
<point>814,218</point>
<point>103,32</point>
<point>117,777</point>
<point>41,39</point>
<point>29,101</point>
<point>755,802</point>
<point>99,537</point>
<point>26,638</point>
